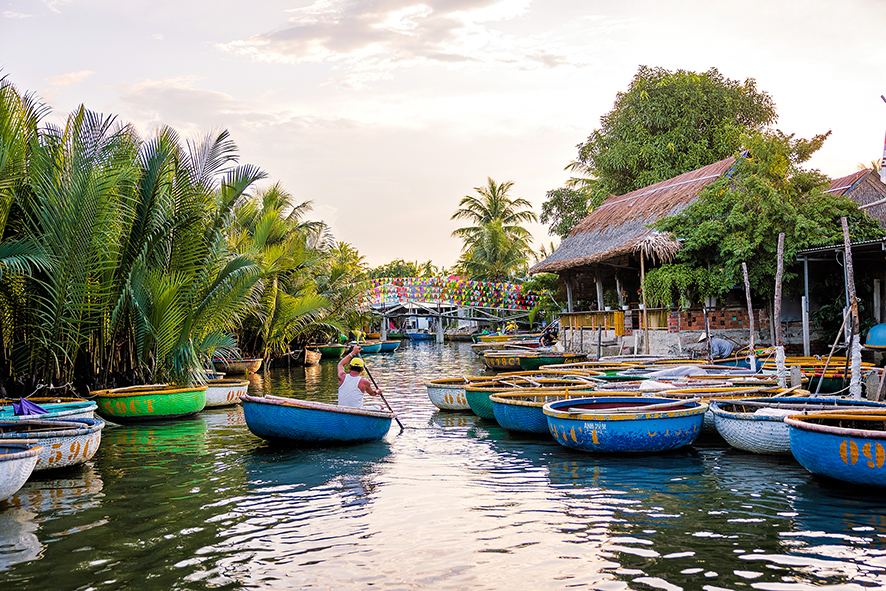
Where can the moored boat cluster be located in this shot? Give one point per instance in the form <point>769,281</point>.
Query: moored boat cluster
<point>644,405</point>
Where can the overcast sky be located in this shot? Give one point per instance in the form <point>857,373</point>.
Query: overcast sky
<point>386,112</point>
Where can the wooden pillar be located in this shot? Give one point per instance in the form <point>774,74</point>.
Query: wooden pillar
<point>877,315</point>
<point>854,343</point>
<point>805,307</point>
<point>569,293</point>
<point>599,292</point>
<point>747,292</point>
<point>776,313</point>
<point>643,291</point>
<point>619,290</point>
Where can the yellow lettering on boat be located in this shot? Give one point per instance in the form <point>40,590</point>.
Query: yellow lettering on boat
<point>880,455</point>
<point>652,433</point>
<point>56,454</point>
<point>150,403</point>
<point>74,449</point>
<point>594,437</point>
<point>121,407</point>
<point>132,406</point>
<point>875,459</point>
<point>572,434</point>
<point>848,452</point>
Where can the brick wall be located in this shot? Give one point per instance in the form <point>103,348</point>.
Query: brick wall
<point>718,320</point>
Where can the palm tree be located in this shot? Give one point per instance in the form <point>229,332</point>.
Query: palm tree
<point>494,255</point>
<point>491,204</point>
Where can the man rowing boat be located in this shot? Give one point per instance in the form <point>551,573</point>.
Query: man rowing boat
<point>351,386</point>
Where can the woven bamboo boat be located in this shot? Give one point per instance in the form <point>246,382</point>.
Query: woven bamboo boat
<point>535,361</point>
<point>150,402</point>
<point>76,408</point>
<point>237,366</point>
<point>477,394</point>
<point>757,424</point>
<point>388,346</point>
<point>224,392</point>
<point>625,424</point>
<point>497,360</point>
<point>63,442</point>
<point>330,350</point>
<point>369,347</point>
<point>313,423</point>
<point>844,445</point>
<point>449,393</point>
<point>17,462</point>
<point>522,411</point>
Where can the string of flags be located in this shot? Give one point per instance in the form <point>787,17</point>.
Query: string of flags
<point>449,290</point>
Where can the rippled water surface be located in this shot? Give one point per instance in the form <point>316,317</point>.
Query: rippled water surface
<point>451,502</point>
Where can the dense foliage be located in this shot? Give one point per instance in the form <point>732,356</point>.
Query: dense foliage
<point>738,218</point>
<point>665,124</point>
<point>125,258</point>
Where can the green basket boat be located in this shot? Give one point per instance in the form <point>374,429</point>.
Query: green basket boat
<point>330,350</point>
<point>150,402</point>
<point>532,362</point>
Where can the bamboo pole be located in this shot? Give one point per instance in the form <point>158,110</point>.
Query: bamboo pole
<point>747,293</point>
<point>779,339</point>
<point>643,292</point>
<point>855,342</point>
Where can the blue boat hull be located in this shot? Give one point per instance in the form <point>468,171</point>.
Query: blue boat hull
<point>388,346</point>
<point>313,423</point>
<point>521,419</point>
<point>620,432</point>
<point>370,348</point>
<point>421,336</point>
<point>850,455</point>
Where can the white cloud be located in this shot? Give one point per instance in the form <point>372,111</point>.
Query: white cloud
<point>11,14</point>
<point>157,36</point>
<point>69,79</point>
<point>368,40</point>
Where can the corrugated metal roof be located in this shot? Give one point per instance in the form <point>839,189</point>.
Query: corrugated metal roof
<point>618,225</point>
<point>844,184</point>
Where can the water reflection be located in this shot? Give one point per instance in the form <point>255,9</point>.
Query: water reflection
<point>18,539</point>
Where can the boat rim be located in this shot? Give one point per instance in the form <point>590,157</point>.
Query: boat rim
<point>308,404</point>
<point>30,450</point>
<point>130,391</point>
<point>642,414</point>
<point>799,421</point>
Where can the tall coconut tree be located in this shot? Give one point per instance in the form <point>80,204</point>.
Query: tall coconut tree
<point>492,203</point>
<point>495,255</point>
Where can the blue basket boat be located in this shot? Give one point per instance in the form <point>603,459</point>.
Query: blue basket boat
<point>844,445</point>
<point>313,423</point>
<point>522,411</point>
<point>64,443</point>
<point>619,424</point>
<point>73,409</point>
<point>369,347</point>
<point>388,346</point>
<point>757,424</point>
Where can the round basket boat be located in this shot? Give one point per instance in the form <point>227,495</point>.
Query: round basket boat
<point>17,461</point>
<point>477,394</point>
<point>449,393</point>
<point>150,402</point>
<point>521,411</point>
<point>225,392</point>
<point>757,424</point>
<point>844,445</point>
<point>77,408</point>
<point>63,443</point>
<point>620,424</point>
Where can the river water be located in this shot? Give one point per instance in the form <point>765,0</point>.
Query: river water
<point>451,502</point>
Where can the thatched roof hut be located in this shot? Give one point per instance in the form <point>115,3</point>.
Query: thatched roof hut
<point>619,225</point>
<point>863,187</point>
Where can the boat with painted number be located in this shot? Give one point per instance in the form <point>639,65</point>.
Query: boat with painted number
<point>477,394</point>
<point>150,402</point>
<point>523,411</point>
<point>844,445</point>
<point>238,366</point>
<point>17,462</point>
<point>502,360</point>
<point>224,392</point>
<point>449,393</point>
<point>63,442</point>
<point>309,423</point>
<point>757,424</point>
<point>532,362</point>
<point>73,408</point>
<point>620,424</point>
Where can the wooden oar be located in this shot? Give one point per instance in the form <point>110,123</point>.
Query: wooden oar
<point>369,373</point>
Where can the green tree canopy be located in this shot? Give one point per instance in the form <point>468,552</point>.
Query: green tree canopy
<point>738,218</point>
<point>665,124</point>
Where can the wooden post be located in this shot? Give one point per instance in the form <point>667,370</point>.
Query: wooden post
<point>779,339</point>
<point>643,292</point>
<point>599,283</point>
<point>805,313</point>
<point>707,333</point>
<point>599,342</point>
<point>618,289</point>
<point>747,293</point>
<point>854,342</point>
<point>569,293</point>
<point>877,315</point>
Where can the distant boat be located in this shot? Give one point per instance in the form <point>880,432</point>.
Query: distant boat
<point>304,422</point>
<point>388,346</point>
<point>330,350</point>
<point>420,336</point>
<point>369,347</point>
<point>237,366</point>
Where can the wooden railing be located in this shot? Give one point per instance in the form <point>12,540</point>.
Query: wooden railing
<point>614,320</point>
